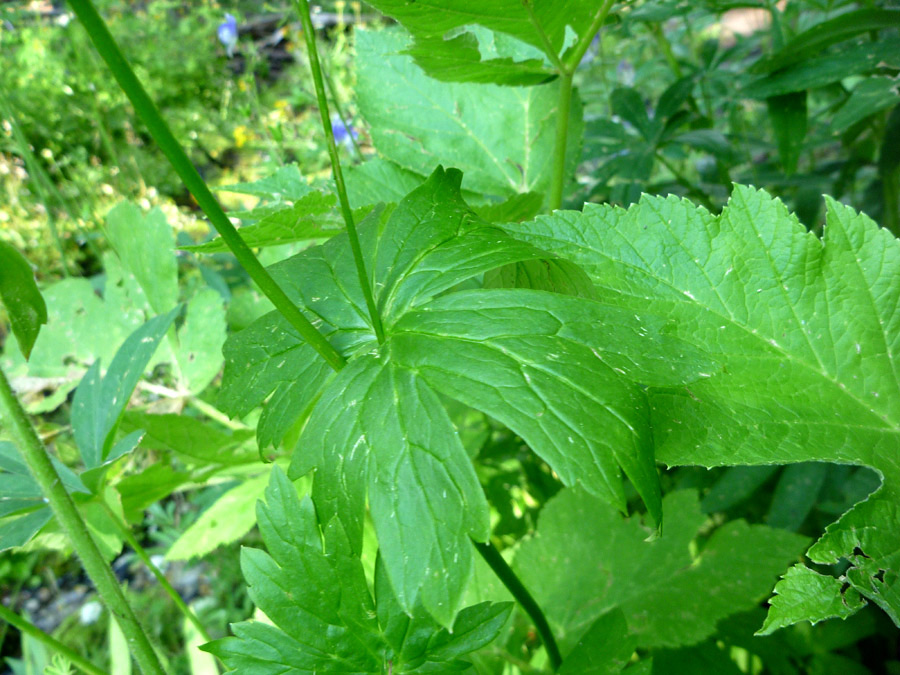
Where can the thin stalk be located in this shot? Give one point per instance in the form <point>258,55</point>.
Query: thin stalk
<point>40,466</point>
<point>28,628</point>
<point>584,44</point>
<point>316,68</point>
<point>562,133</point>
<point>548,46</point>
<point>666,48</point>
<point>515,586</point>
<point>159,130</point>
<point>566,71</point>
<point>132,541</point>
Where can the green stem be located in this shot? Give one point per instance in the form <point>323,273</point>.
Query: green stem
<point>159,130</point>
<point>562,133</point>
<point>28,628</point>
<point>310,35</point>
<point>339,110</point>
<point>132,541</point>
<point>584,44</point>
<point>40,466</point>
<point>666,48</point>
<point>514,585</point>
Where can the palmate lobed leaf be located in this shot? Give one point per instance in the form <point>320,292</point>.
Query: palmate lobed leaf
<point>324,617</point>
<point>376,432</point>
<point>807,332</point>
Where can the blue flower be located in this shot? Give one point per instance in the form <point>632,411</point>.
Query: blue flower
<point>228,34</point>
<point>342,133</point>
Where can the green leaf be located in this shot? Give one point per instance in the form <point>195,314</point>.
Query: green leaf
<point>380,431</point>
<point>604,649</point>
<point>21,297</point>
<point>195,442</point>
<point>549,367</point>
<point>227,520</point>
<point>822,70</point>
<point>360,438</point>
<point>496,135</point>
<point>787,114</point>
<point>146,247</point>
<point>17,531</point>
<point>870,96</point>
<point>324,617</point>
<point>139,490</point>
<point>827,33</point>
<point>100,400</point>
<point>601,562</point>
<point>628,104</point>
<point>482,56</point>
<point>517,208</point>
<point>735,486</point>
<point>795,495</point>
<point>804,595</point>
<point>286,184</point>
<point>200,340</point>
<point>379,181</point>
<point>310,217</point>
<point>543,25</point>
<point>807,332</point>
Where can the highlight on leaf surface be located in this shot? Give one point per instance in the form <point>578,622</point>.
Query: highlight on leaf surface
<point>807,333</point>
<point>560,371</point>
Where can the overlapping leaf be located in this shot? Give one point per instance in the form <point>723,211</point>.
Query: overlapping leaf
<point>503,41</point>
<point>551,366</point>
<point>807,332</point>
<point>418,122</point>
<point>21,297</point>
<point>325,619</point>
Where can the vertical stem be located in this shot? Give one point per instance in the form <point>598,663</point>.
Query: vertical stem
<point>514,585</point>
<point>40,466</point>
<point>563,110</point>
<point>159,130</point>
<point>28,628</point>
<point>313,53</point>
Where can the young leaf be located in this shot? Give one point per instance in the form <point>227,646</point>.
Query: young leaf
<point>807,332</point>
<point>496,135</point>
<point>324,617</point>
<point>21,297</point>
<point>602,562</point>
<point>100,400</point>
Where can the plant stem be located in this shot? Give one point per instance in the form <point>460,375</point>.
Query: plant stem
<point>38,461</point>
<point>566,71</point>
<point>514,585</point>
<point>159,130</point>
<point>584,44</point>
<point>562,133</point>
<point>29,628</point>
<point>313,53</point>
<point>132,541</point>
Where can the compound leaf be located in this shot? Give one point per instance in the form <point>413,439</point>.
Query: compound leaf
<point>323,616</point>
<point>807,332</point>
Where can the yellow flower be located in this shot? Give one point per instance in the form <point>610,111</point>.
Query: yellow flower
<point>242,135</point>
